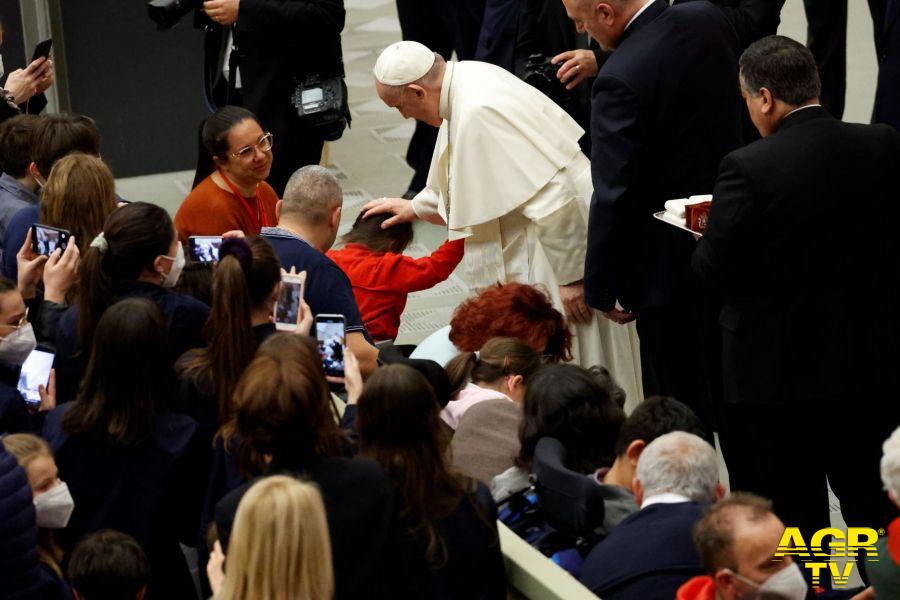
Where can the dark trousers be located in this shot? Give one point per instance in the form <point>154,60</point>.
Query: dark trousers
<point>293,149</point>
<point>445,26</point>
<point>676,358</point>
<point>784,452</point>
<point>497,42</point>
<point>826,36</point>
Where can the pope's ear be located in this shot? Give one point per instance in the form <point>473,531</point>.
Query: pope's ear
<point>417,90</point>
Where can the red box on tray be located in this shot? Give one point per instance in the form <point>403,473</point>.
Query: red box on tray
<point>696,216</point>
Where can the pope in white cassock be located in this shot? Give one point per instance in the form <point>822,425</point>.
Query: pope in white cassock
<point>507,175</point>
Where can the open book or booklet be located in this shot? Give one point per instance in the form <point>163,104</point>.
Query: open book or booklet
<point>689,214</point>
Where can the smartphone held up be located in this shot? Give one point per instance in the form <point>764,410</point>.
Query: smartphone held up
<point>331,339</point>
<point>287,309</point>
<point>46,240</point>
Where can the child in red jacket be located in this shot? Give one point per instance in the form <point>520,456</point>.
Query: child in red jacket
<point>382,276</point>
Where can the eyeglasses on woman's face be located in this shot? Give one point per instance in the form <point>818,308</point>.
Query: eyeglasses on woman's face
<point>264,145</point>
<point>6,327</point>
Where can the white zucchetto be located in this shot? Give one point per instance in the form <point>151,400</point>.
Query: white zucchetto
<point>402,63</point>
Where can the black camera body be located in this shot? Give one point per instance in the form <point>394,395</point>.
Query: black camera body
<point>540,73</point>
<point>320,104</point>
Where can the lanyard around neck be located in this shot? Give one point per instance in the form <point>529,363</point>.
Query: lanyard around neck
<point>260,216</point>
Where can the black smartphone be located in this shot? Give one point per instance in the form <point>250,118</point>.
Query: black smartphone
<point>35,372</point>
<point>204,248</point>
<point>45,239</point>
<point>287,310</point>
<point>42,49</point>
<point>332,343</point>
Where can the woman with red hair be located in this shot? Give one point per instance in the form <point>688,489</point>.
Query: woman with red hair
<point>526,312</point>
<point>513,310</point>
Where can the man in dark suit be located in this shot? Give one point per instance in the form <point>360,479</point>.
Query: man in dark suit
<point>664,113</point>
<point>267,47</point>
<point>802,246</point>
<point>651,553</point>
<point>887,96</point>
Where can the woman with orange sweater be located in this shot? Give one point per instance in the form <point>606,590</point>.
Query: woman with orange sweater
<point>230,191</point>
<point>382,276</point>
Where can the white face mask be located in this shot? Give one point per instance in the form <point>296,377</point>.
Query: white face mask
<point>54,507</point>
<point>16,347</point>
<point>177,265</point>
<point>786,584</point>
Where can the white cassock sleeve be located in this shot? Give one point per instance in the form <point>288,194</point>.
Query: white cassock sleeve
<point>561,228</point>
<point>426,203</point>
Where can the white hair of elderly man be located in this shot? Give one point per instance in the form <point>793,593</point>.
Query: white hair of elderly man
<point>890,466</point>
<point>679,463</point>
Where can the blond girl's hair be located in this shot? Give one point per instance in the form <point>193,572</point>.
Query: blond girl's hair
<point>279,548</point>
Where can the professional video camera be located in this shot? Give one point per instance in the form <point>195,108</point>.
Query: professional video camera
<point>541,73</point>
<point>322,104</point>
<point>166,13</point>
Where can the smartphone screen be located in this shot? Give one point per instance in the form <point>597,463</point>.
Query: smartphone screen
<point>45,239</point>
<point>332,342</point>
<point>35,372</point>
<point>204,248</point>
<point>42,49</point>
<point>287,310</point>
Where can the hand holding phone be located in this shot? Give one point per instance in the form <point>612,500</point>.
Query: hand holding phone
<point>353,381</point>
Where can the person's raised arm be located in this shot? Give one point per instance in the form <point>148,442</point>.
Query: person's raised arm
<point>415,274</point>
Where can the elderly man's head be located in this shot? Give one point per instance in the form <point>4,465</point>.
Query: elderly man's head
<point>778,75</point>
<point>603,20</point>
<point>737,541</point>
<point>408,77</point>
<point>678,463</point>
<point>313,199</point>
<point>890,466</point>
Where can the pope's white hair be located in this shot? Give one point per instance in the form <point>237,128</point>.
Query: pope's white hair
<point>679,463</point>
<point>890,464</point>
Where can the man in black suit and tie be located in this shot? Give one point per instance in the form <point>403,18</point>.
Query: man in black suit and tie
<point>664,113</point>
<point>651,553</point>
<point>801,242</point>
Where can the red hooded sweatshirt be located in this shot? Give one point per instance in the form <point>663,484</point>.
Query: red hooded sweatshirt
<point>381,281</point>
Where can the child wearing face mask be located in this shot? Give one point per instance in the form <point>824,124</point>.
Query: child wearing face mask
<point>53,506</point>
<point>17,340</point>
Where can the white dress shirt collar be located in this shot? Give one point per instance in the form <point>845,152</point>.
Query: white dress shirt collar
<point>639,12</point>
<point>801,108</point>
<point>664,498</point>
<point>444,108</point>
